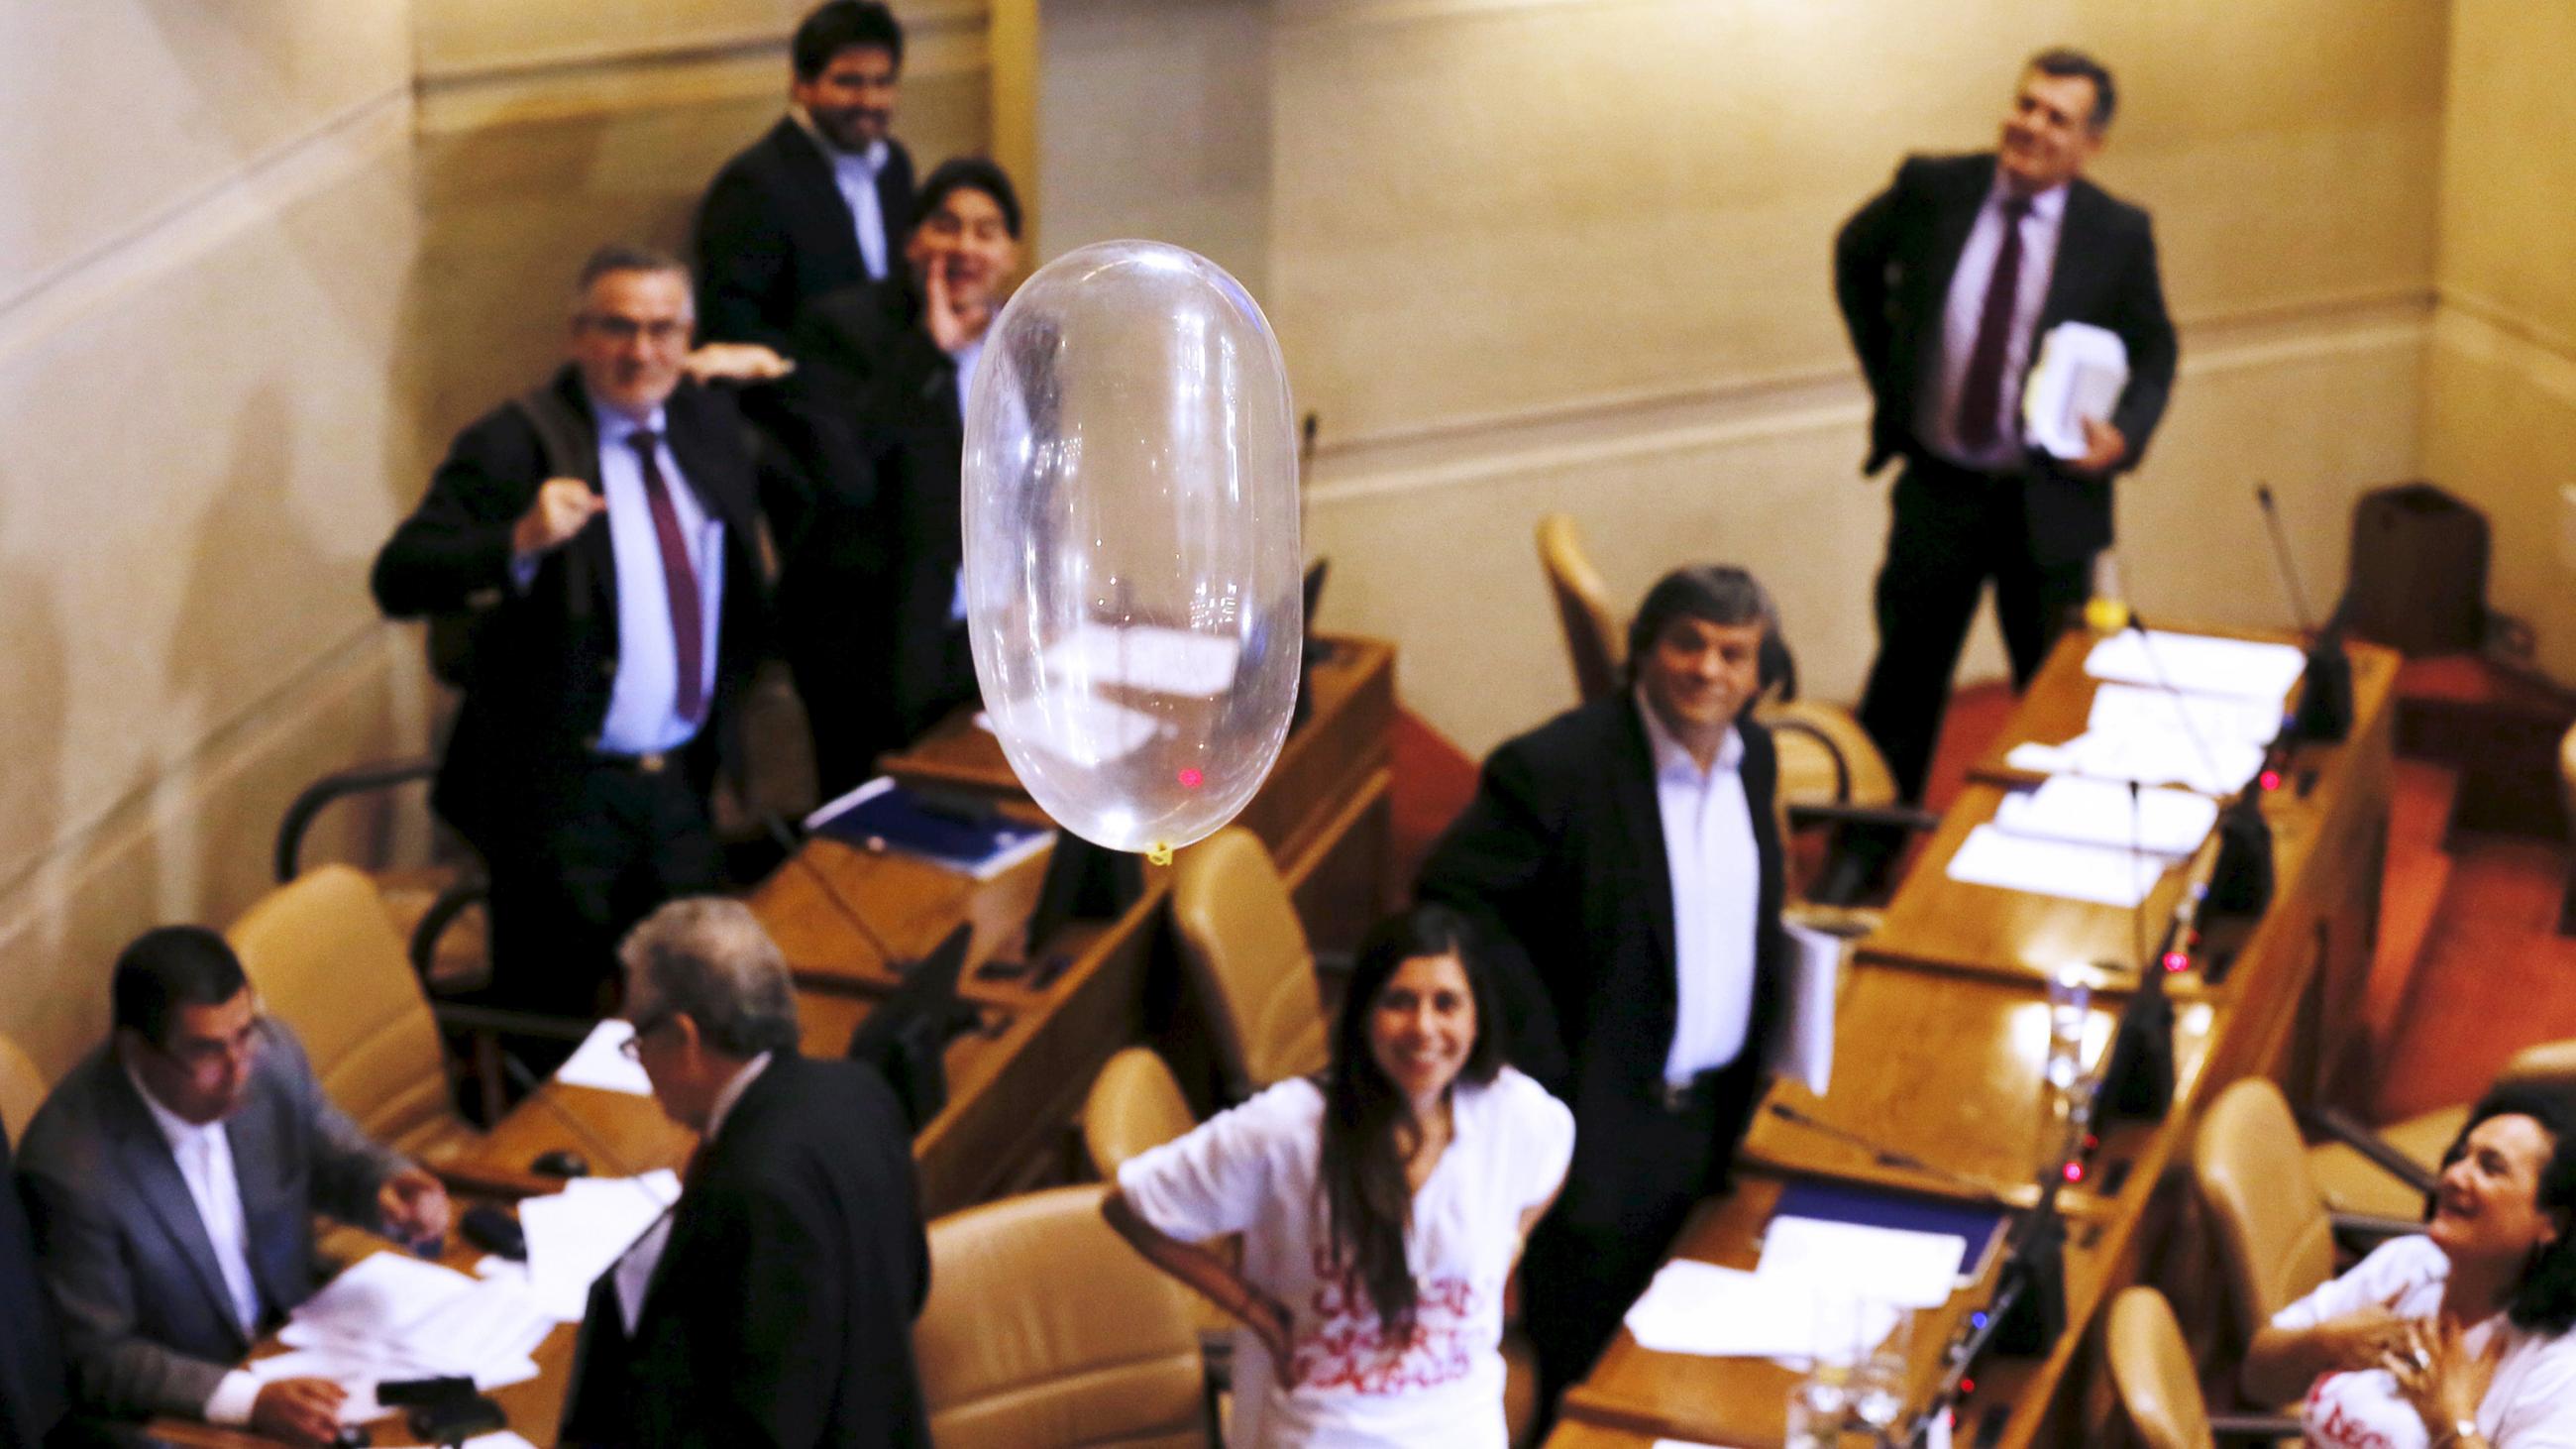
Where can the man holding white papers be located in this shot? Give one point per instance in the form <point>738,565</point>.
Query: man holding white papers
<point>1949,280</point>
<point>776,1307</point>
<point>1631,849</point>
<point>174,1175</point>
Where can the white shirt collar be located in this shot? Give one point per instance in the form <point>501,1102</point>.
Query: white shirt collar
<point>872,158</point>
<point>731,1093</point>
<point>615,426</point>
<point>2046,206</point>
<point>1670,754</point>
<point>176,1130</point>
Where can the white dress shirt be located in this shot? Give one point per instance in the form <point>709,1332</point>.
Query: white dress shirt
<point>854,174</point>
<point>635,1270</point>
<point>1936,419</point>
<point>643,701</point>
<point>204,1155</point>
<point>1717,891</point>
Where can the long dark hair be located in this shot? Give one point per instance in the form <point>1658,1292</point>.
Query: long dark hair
<point>1368,1205</point>
<point>2543,1297</point>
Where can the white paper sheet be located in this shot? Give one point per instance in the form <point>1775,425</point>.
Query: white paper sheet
<point>1814,972</point>
<point>2079,375</point>
<point>600,1064</point>
<point>1884,1265</point>
<point>1712,1312</point>
<point>1096,731</point>
<point>1148,658</point>
<point>2099,812</point>
<point>2217,718</point>
<point>2198,664</point>
<point>2214,767</point>
<point>574,1235</point>
<point>1994,857</point>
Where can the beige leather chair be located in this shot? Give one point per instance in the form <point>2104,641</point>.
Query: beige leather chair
<point>1043,1327</point>
<point>1135,1104</point>
<point>1249,962</point>
<point>2250,1169</point>
<point>2352,1183</point>
<point>326,961</point>
<point>1595,633</point>
<point>22,1089</point>
<point>2151,1370</point>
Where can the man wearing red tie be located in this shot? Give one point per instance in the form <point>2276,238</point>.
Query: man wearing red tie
<point>1948,281</point>
<point>596,541</point>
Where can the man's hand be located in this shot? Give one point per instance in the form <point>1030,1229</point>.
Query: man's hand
<point>301,1411</point>
<point>563,505</point>
<point>2104,448</point>
<point>413,1207</point>
<point>736,362</point>
<point>951,326</point>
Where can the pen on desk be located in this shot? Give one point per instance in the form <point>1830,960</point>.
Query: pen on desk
<point>1882,1155</point>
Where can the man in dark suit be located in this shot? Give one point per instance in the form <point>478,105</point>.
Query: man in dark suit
<point>600,532</point>
<point>31,1358</point>
<point>1948,281</point>
<point>774,1305</point>
<point>174,1175</point>
<point>821,201</point>
<point>871,602</point>
<point>1631,850</point>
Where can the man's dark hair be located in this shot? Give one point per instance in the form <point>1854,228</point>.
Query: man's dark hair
<point>2543,1296</point>
<point>1720,594</point>
<point>625,257</point>
<point>841,25</point>
<point>2066,60</point>
<point>969,173</point>
<point>169,967</point>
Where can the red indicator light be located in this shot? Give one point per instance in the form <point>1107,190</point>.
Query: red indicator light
<point>2271,779</point>
<point>2177,961</point>
<point>2075,1172</point>
<point>1967,1387</point>
<point>1191,779</point>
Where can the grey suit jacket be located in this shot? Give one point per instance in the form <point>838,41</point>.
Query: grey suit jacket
<point>147,1325</point>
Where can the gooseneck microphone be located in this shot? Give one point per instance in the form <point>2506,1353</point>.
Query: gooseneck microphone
<point>2241,879</point>
<point>2325,700</point>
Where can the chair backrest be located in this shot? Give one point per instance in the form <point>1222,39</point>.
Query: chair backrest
<point>2549,1064</point>
<point>1249,960</point>
<point>326,961</point>
<point>2250,1169</point>
<point>22,1088</point>
<point>1135,1104</point>
<point>2151,1369</point>
<point>1043,1327</point>
<point>1594,635</point>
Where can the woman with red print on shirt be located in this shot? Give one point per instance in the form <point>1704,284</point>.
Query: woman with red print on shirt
<point>1382,1205</point>
<point>2458,1336</point>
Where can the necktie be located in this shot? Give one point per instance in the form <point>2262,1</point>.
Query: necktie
<point>687,640</point>
<point>1981,393</point>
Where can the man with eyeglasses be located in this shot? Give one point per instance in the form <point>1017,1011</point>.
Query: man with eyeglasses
<point>596,538</point>
<point>173,1176</point>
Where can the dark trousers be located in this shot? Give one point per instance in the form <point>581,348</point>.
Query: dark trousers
<point>1951,531</point>
<point>1640,1166</point>
<point>599,846</point>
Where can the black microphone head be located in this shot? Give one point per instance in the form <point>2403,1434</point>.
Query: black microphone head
<point>2263,495</point>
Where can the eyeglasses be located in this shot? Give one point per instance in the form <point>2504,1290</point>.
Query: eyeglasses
<point>627,329</point>
<point>202,1054</point>
<point>633,1046</point>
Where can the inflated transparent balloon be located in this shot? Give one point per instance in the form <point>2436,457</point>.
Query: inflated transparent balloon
<point>1133,569</point>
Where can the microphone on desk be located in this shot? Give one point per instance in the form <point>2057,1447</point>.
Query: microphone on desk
<point>2325,697</point>
<point>2241,878</point>
<point>2138,1075</point>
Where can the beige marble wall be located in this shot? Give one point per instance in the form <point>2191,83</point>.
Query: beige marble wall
<point>2500,392</point>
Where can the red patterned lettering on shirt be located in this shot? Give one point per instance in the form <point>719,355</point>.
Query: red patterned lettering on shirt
<point>1347,1349</point>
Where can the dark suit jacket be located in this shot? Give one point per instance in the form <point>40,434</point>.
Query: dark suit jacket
<point>546,659</point>
<point>781,1313</point>
<point>774,233</point>
<point>1892,268</point>
<point>147,1323</point>
<point>1563,848</point>
<point>873,573</point>
<point>31,1358</point>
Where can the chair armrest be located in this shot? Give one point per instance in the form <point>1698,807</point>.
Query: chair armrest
<point>357,780</point>
<point>1902,817</point>
<point>1833,751</point>
<point>444,912</point>
<point>2255,1428</point>
<point>2333,1122</point>
<point>504,1022</point>
<point>2364,1231</point>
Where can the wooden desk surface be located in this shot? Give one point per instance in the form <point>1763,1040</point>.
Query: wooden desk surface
<point>1940,1028</point>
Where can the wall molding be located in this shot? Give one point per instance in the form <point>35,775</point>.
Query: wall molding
<point>1368,14</point>
<point>195,222</point>
<point>2472,325</point>
<point>1471,450</point>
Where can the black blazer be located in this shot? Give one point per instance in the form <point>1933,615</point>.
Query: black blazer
<point>1893,262</point>
<point>781,1313</point>
<point>774,233</point>
<point>545,660</point>
<point>31,1357</point>
<point>1563,848</point>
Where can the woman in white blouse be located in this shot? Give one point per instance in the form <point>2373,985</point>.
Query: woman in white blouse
<point>1382,1205</point>
<point>2458,1336</point>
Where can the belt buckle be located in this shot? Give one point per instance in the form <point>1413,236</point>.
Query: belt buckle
<point>649,763</point>
<point>1673,1096</point>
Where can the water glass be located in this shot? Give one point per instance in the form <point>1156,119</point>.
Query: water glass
<point>1880,1374</point>
<point>1817,1406</point>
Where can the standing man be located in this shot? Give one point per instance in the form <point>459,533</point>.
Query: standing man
<point>774,1305</point>
<point>173,1176</point>
<point>599,532</point>
<point>823,200</point>
<point>1631,849</point>
<point>1948,280</point>
<point>872,601</point>
<point>31,1358</point>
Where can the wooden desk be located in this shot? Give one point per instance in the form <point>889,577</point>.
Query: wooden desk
<point>1941,1026</point>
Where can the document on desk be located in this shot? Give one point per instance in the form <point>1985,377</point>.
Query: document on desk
<point>2211,767</point>
<point>1712,1312</point>
<point>1991,856</point>
<point>1815,970</point>
<point>574,1235</point>
<point>1147,658</point>
<point>2215,718</point>
<point>2247,669</point>
<point>2101,812</point>
<point>392,1317</point>
<point>601,1063</point>
<point>1886,1265</point>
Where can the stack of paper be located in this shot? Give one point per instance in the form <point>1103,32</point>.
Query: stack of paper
<point>1991,856</point>
<point>601,1063</point>
<point>392,1317</point>
<point>576,1234</point>
<point>2169,823</point>
<point>2244,669</point>
<point>1701,1308</point>
<point>2179,709</point>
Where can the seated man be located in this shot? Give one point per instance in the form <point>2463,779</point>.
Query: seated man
<point>872,610</point>
<point>174,1175</point>
<point>774,1305</point>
